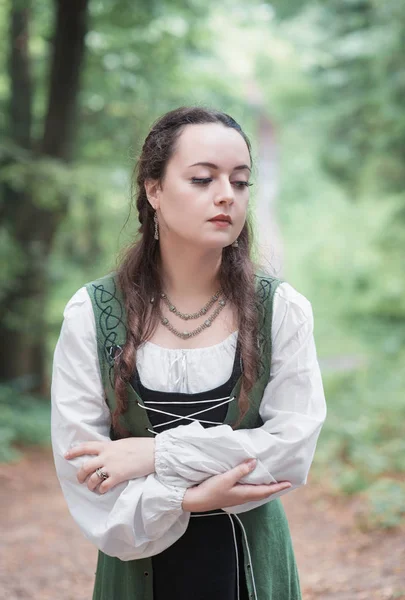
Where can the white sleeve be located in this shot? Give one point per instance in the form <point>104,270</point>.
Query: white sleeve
<point>293,410</point>
<point>136,519</point>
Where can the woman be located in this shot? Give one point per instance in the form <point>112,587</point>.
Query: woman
<point>186,391</point>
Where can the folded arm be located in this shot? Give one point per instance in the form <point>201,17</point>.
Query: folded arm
<point>293,410</point>
<point>136,519</point>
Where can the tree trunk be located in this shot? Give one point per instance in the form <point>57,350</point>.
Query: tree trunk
<point>20,77</point>
<point>23,309</point>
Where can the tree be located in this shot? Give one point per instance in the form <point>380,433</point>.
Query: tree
<point>27,220</point>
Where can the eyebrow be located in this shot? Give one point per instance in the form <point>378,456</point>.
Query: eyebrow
<point>212,166</point>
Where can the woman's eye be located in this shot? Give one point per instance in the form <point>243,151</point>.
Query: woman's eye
<point>242,184</point>
<point>201,181</point>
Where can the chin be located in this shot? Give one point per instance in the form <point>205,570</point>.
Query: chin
<point>210,242</point>
<point>218,244</point>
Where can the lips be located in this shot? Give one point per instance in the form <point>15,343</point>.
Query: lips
<point>222,219</point>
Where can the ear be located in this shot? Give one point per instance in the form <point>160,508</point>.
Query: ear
<point>152,188</point>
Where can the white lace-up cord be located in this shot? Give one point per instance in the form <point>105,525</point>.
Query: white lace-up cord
<point>186,402</point>
<point>208,515</point>
<point>189,417</point>
<point>236,554</point>
<point>249,555</point>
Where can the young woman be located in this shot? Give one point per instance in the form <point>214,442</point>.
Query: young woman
<point>186,394</point>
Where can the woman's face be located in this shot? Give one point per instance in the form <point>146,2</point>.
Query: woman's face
<point>204,195</point>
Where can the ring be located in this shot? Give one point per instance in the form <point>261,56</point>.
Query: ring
<point>102,474</point>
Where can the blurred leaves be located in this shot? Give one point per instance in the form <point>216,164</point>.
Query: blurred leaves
<point>386,499</point>
<point>24,420</point>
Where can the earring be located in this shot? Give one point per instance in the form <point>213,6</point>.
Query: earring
<point>235,244</point>
<point>155,219</point>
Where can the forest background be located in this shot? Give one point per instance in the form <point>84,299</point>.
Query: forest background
<point>318,86</point>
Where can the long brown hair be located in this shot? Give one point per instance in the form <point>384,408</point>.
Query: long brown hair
<point>139,276</point>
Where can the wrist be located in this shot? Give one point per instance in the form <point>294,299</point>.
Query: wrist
<point>189,503</point>
<point>152,461</point>
<point>185,503</point>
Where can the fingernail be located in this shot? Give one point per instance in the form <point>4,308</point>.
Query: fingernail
<point>67,454</point>
<point>251,463</point>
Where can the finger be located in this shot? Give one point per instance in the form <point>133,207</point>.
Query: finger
<point>85,448</point>
<point>106,485</point>
<point>93,482</point>
<point>234,475</point>
<point>89,467</point>
<point>247,492</point>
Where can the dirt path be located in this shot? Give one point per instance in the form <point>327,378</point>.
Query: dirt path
<point>44,556</point>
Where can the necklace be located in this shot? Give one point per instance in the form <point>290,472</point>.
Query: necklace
<point>203,311</point>
<point>187,334</point>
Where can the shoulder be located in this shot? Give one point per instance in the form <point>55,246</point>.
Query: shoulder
<point>78,319</point>
<point>283,294</point>
<point>288,296</point>
<point>78,304</point>
<point>81,309</point>
<point>291,309</point>
<point>107,283</point>
<point>81,303</point>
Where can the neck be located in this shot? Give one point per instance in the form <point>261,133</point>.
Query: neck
<point>189,271</point>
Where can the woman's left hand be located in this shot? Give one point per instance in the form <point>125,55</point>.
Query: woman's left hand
<point>121,460</point>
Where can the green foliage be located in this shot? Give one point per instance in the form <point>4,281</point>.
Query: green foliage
<point>363,83</point>
<point>386,498</point>
<point>24,421</point>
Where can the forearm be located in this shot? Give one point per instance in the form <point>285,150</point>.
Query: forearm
<point>194,454</point>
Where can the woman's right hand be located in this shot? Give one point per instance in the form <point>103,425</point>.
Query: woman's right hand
<point>222,491</point>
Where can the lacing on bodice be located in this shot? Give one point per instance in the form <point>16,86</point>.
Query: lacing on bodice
<point>170,409</point>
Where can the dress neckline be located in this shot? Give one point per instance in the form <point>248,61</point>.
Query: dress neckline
<point>148,394</point>
<point>212,347</point>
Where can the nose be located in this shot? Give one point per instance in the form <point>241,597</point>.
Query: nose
<point>225,194</point>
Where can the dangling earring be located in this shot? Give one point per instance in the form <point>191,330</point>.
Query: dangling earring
<point>155,219</point>
<point>235,244</point>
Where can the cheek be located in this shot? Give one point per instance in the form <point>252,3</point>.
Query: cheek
<point>241,207</point>
<point>185,199</point>
<point>183,206</point>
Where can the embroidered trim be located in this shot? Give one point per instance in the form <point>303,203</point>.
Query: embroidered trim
<point>263,292</point>
<point>111,317</point>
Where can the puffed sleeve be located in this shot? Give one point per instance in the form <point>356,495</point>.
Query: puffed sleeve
<point>293,410</point>
<point>136,519</point>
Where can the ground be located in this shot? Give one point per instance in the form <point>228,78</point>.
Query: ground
<point>43,555</point>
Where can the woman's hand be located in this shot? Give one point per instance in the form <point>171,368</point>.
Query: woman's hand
<point>222,491</point>
<point>121,460</point>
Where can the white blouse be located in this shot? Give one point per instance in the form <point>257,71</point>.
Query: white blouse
<point>144,516</point>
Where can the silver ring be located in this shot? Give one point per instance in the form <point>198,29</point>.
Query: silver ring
<point>102,474</point>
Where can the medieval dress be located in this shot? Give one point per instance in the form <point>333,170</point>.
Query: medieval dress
<point>149,548</point>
